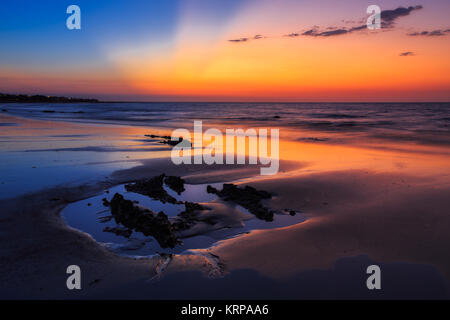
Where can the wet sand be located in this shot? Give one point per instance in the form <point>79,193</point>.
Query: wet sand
<point>386,216</point>
<point>388,206</point>
<point>37,246</point>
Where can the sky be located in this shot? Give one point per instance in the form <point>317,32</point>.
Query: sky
<point>233,50</point>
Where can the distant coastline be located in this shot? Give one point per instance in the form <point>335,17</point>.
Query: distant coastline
<point>41,98</point>
<point>25,98</point>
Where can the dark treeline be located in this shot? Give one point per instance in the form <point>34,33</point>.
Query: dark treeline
<point>40,98</point>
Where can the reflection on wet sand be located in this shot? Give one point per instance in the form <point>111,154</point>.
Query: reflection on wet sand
<point>387,201</point>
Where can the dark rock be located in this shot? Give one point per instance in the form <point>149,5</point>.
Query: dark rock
<point>182,224</point>
<point>171,142</point>
<point>143,220</point>
<point>167,139</point>
<point>154,136</point>
<point>193,206</point>
<point>106,203</point>
<point>175,183</point>
<point>152,188</point>
<point>211,189</point>
<point>247,197</point>
<point>188,217</point>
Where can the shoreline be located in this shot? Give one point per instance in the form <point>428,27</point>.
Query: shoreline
<point>392,211</point>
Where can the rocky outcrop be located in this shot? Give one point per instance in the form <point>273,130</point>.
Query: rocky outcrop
<point>140,219</point>
<point>247,197</point>
<point>188,217</point>
<point>168,140</point>
<point>153,188</point>
<point>175,183</point>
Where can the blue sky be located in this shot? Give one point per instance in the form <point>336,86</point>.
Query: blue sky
<point>189,40</point>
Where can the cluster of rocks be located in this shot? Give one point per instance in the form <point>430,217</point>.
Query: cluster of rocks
<point>247,197</point>
<point>136,218</point>
<point>167,139</point>
<point>153,188</point>
<point>186,219</point>
<point>132,217</point>
<point>143,220</point>
<point>175,183</point>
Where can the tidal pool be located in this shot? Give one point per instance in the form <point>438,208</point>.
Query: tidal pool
<point>92,217</point>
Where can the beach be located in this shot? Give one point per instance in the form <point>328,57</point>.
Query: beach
<point>363,188</point>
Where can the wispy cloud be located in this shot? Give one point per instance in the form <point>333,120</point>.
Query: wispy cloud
<point>331,31</point>
<point>407,54</point>
<point>256,37</point>
<point>388,18</point>
<point>239,40</point>
<point>434,33</point>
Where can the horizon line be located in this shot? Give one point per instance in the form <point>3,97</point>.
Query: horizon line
<point>197,101</point>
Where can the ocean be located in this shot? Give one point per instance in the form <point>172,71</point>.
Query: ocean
<point>410,117</point>
<point>76,142</point>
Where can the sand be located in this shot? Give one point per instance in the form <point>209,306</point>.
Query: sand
<point>350,213</point>
<point>389,215</point>
<point>37,246</point>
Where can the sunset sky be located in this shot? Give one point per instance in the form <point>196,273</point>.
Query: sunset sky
<point>283,50</point>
